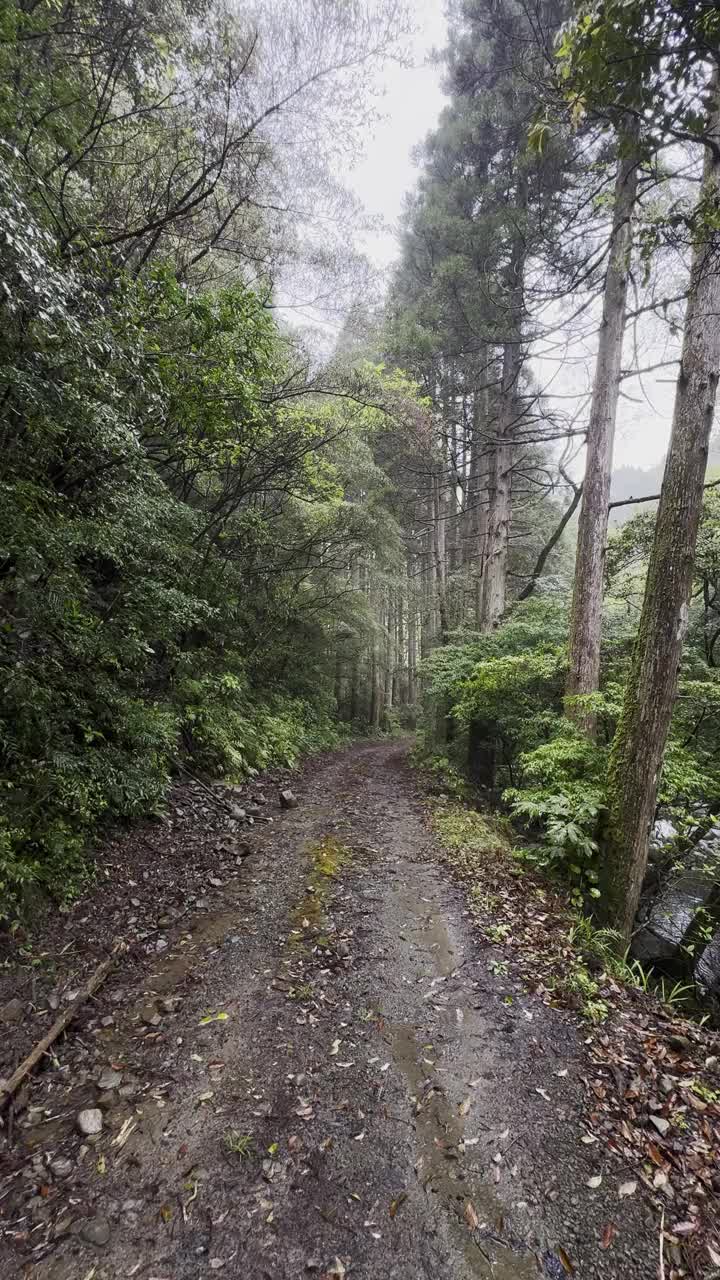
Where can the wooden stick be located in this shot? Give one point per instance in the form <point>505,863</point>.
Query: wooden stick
<point>8,1088</point>
<point>208,790</point>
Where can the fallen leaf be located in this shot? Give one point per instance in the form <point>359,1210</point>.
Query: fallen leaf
<point>567,1264</point>
<point>471,1216</point>
<point>627,1189</point>
<point>594,1181</point>
<point>608,1235</point>
<point>336,1271</point>
<point>213,1017</point>
<point>395,1204</point>
<point>335,1048</point>
<point>465,1107</point>
<point>543,1094</point>
<point>587,1138</point>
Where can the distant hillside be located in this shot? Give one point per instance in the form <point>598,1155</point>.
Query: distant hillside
<point>634,482</point>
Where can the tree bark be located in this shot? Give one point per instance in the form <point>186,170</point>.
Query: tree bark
<point>390,641</point>
<point>586,616</point>
<point>494,578</point>
<point>411,632</point>
<point>438,552</point>
<point>637,751</point>
<point>500,478</point>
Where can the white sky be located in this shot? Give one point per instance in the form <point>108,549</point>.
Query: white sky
<point>410,106</point>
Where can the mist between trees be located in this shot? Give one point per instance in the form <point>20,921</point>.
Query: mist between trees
<point>218,547</point>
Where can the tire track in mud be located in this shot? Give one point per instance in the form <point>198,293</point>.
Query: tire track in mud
<point>369,1107</point>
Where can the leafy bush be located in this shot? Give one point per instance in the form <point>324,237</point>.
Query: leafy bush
<point>151,498</point>
<point>514,703</point>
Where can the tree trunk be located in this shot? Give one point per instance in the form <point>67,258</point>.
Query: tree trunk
<point>494,578</point>
<point>500,478</point>
<point>376,687</point>
<point>637,751</point>
<point>400,675</point>
<point>411,633</point>
<point>389,656</point>
<point>586,617</point>
<point>477,498</point>
<point>438,551</point>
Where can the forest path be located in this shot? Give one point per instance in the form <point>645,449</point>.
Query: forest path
<point>382,1070</point>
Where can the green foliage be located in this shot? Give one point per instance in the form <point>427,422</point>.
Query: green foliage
<point>583,990</point>
<point>443,776</point>
<point>174,539</point>
<point>506,692</point>
<point>239,1144</point>
<point>519,696</point>
<point>460,828</point>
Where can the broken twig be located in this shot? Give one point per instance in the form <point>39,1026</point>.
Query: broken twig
<point>8,1088</point>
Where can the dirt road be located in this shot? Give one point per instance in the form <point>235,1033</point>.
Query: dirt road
<point>331,1075</point>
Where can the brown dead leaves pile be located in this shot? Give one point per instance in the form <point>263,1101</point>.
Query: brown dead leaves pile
<point>653,1079</point>
<point>654,1097</point>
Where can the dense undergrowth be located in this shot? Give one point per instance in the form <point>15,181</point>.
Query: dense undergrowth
<point>577,964</point>
<point>495,721</point>
<point>173,542</point>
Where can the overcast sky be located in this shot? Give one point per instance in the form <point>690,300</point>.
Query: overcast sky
<point>410,105</point>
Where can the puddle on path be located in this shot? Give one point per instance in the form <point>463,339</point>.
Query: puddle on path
<point>490,1248</point>
<point>439,1131</point>
<point>210,929</point>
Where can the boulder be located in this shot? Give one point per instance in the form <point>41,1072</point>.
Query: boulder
<point>707,969</point>
<point>661,838</point>
<point>288,799</point>
<point>671,916</point>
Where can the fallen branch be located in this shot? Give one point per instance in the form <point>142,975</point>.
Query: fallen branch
<point>209,791</point>
<point>8,1087</point>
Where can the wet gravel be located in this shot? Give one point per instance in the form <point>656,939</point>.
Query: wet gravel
<point>325,1073</point>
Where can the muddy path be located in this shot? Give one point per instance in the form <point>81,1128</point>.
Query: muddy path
<point>329,1075</point>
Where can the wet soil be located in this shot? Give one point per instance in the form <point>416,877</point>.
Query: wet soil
<point>327,1074</point>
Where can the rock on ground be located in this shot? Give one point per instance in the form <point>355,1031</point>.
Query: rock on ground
<point>673,913</point>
